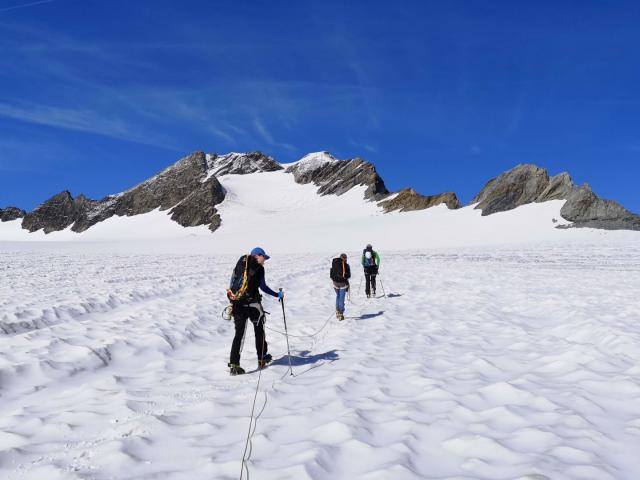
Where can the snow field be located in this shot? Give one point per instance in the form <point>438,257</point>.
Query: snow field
<point>487,363</point>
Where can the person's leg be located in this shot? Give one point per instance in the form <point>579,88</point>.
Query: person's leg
<point>342,293</point>
<point>373,283</point>
<point>367,283</point>
<point>257,318</point>
<point>240,321</point>
<point>337,290</point>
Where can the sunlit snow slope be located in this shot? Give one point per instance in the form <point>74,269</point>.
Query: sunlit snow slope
<point>271,209</point>
<point>503,348</point>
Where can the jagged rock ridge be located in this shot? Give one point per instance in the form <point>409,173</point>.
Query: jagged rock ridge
<point>585,209</point>
<point>241,163</point>
<point>190,190</point>
<point>11,213</point>
<point>528,183</point>
<point>186,187</point>
<point>408,199</point>
<point>335,177</point>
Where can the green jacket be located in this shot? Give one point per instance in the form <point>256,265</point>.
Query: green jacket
<point>376,258</point>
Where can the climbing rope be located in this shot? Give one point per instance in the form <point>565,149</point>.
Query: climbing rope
<point>253,420</point>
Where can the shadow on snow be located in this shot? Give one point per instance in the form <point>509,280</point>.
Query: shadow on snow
<point>304,358</point>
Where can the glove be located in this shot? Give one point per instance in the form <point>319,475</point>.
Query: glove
<point>280,295</point>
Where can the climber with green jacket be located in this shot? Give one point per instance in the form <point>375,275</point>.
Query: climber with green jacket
<point>371,263</point>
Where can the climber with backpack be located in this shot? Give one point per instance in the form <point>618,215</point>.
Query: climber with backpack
<point>248,277</point>
<point>340,273</point>
<point>371,263</point>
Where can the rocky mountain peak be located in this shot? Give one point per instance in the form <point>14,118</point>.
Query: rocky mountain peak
<point>408,199</point>
<point>186,187</point>
<point>335,177</point>
<point>521,185</point>
<point>57,213</point>
<point>240,163</point>
<point>585,209</point>
<point>11,213</point>
<point>529,183</point>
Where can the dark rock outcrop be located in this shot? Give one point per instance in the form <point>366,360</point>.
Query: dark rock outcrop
<point>559,188</point>
<point>55,214</point>
<point>166,189</point>
<point>198,208</point>
<point>241,163</point>
<point>524,184</point>
<point>529,183</point>
<point>187,186</point>
<point>585,209</point>
<point>408,200</point>
<point>335,177</point>
<point>11,213</point>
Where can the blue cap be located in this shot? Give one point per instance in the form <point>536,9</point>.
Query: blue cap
<point>260,251</point>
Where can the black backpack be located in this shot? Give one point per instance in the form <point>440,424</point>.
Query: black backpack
<point>239,280</point>
<point>337,272</point>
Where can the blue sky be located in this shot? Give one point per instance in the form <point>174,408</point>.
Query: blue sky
<point>441,96</point>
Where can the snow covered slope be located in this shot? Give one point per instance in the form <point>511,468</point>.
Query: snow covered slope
<point>485,363</point>
<point>504,348</point>
<point>269,208</point>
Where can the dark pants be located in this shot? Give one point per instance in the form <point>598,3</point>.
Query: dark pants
<point>370,279</point>
<point>241,314</point>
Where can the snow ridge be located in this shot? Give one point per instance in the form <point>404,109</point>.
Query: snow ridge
<point>313,161</point>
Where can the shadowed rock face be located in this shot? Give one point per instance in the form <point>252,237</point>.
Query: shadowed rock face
<point>57,213</point>
<point>335,177</point>
<point>198,208</point>
<point>11,213</point>
<point>241,163</point>
<point>184,186</point>
<point>408,200</point>
<point>166,189</point>
<point>585,209</point>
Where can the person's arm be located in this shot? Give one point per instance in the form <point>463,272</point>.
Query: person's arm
<point>362,260</point>
<point>377,259</point>
<point>265,288</point>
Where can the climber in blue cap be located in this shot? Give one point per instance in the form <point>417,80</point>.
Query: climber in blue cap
<point>246,301</point>
<point>260,252</point>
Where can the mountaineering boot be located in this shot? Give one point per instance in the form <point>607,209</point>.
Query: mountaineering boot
<point>235,369</point>
<point>373,294</point>
<point>340,316</point>
<point>266,360</point>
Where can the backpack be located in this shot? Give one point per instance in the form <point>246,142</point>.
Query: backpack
<point>339,271</point>
<point>239,280</point>
<point>368,262</point>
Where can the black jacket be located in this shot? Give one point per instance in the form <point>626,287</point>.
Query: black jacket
<point>340,272</point>
<point>255,280</point>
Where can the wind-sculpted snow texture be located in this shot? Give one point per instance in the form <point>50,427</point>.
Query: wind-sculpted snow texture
<point>490,363</point>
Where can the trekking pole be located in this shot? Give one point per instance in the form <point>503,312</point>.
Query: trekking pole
<point>382,285</point>
<point>360,285</point>
<point>286,333</point>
